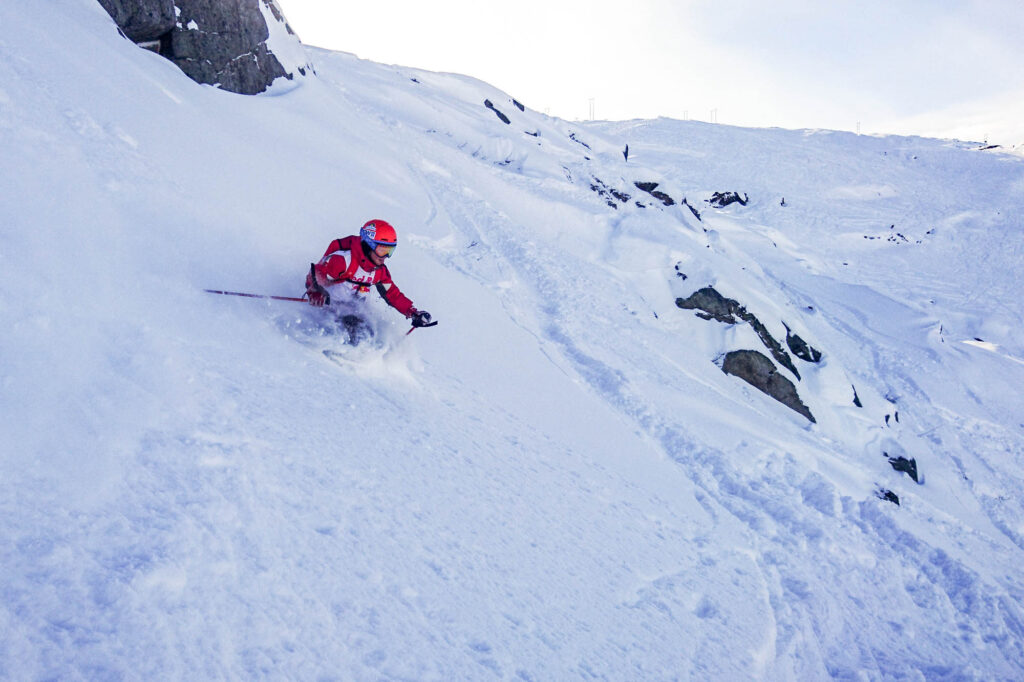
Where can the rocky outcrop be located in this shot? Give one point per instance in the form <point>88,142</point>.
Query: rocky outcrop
<point>490,105</point>
<point>888,496</point>
<point>752,366</point>
<point>651,188</point>
<point>801,348</point>
<point>608,193</point>
<point>225,43</point>
<point>723,199</point>
<point>695,212</point>
<point>141,20</point>
<point>713,306</point>
<point>760,372</point>
<point>904,465</point>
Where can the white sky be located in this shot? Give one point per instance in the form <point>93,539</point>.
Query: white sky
<point>933,67</point>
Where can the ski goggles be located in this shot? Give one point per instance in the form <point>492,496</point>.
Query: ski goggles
<point>384,250</point>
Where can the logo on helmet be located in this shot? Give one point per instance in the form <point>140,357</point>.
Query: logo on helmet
<point>376,232</point>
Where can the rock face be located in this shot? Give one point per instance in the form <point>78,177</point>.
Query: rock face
<point>224,42</point>
<point>757,370</point>
<point>216,42</point>
<point>141,20</point>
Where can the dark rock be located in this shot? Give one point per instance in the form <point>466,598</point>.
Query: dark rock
<point>600,190</point>
<point>650,188</point>
<point>572,136</point>
<point>249,74</point>
<point>216,42</point>
<point>760,372</point>
<point>712,304</point>
<point>717,307</point>
<point>621,196</point>
<point>605,191</point>
<point>723,199</point>
<point>799,347</point>
<point>141,20</point>
<point>490,105</point>
<point>663,198</point>
<point>856,398</point>
<point>225,30</point>
<point>694,211</point>
<point>625,153</point>
<point>888,496</point>
<point>518,106</point>
<point>907,466</point>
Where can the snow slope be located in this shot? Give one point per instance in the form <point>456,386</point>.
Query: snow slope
<point>557,481</point>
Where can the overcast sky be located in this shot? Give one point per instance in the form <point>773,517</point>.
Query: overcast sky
<point>934,67</point>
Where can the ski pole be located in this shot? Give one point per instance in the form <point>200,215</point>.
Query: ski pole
<point>240,293</point>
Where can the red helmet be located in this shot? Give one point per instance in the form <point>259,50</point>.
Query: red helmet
<point>378,233</point>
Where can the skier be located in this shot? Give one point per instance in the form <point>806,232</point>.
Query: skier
<point>356,263</point>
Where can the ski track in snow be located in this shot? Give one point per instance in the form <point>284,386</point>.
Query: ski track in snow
<point>557,481</point>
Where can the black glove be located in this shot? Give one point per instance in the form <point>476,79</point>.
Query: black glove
<point>421,318</point>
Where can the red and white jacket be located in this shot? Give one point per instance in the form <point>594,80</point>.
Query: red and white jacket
<point>345,262</point>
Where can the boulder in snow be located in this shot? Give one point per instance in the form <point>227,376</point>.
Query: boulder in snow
<point>760,372</point>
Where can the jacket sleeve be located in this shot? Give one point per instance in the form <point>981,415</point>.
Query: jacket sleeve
<point>394,296</point>
<point>333,264</point>
<point>333,247</point>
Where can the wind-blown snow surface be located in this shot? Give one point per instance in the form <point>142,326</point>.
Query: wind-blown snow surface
<point>557,481</point>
